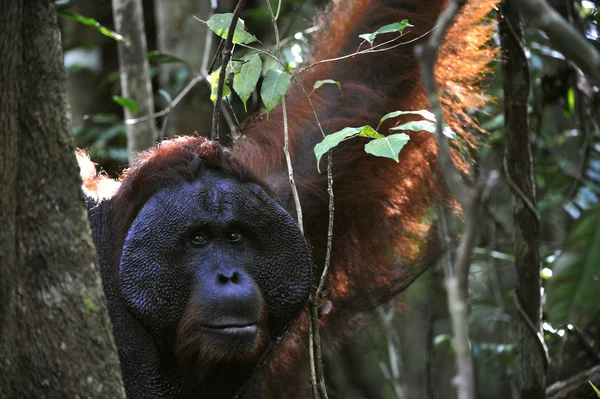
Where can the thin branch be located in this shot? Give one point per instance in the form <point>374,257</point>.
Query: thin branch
<point>172,104</point>
<point>286,134</point>
<point>384,46</point>
<point>575,387</point>
<point>316,362</point>
<point>214,135</point>
<point>455,277</point>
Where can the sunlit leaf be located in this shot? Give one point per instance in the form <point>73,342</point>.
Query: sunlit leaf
<point>214,84</point>
<point>391,28</point>
<point>245,81</point>
<point>93,23</point>
<point>387,147</point>
<point>235,66</point>
<point>333,139</point>
<point>423,112</point>
<point>571,99</point>
<point>320,83</point>
<point>274,86</point>
<point>128,103</point>
<point>220,23</point>
<point>425,125</point>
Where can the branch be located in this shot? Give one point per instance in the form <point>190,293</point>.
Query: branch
<point>575,387</point>
<point>456,276</point>
<point>563,35</point>
<point>214,135</point>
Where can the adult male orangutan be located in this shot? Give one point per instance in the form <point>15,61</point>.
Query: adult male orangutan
<point>202,261</point>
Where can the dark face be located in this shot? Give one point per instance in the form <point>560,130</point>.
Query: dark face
<point>214,270</point>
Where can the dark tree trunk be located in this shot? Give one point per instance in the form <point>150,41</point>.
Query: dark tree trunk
<point>519,173</point>
<point>55,335</point>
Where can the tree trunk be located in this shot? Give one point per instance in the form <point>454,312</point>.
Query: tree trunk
<point>55,335</point>
<point>519,171</point>
<point>180,34</point>
<point>135,74</point>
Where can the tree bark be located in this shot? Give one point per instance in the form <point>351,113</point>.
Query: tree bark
<point>180,34</point>
<point>55,334</point>
<point>135,74</point>
<point>519,173</point>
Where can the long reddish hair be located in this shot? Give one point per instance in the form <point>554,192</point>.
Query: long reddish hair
<point>381,207</point>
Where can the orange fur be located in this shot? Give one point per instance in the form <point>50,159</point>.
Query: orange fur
<point>95,185</point>
<point>381,207</point>
<point>381,222</point>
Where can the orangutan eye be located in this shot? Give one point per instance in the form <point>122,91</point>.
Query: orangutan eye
<point>235,236</point>
<point>199,240</point>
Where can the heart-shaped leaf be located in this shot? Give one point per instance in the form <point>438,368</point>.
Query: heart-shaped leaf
<point>387,147</point>
<point>245,81</point>
<point>332,140</point>
<point>220,23</point>
<point>274,86</point>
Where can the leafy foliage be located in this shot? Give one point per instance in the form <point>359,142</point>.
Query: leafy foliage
<point>214,84</point>
<point>391,28</point>
<point>387,147</point>
<point>320,83</point>
<point>380,145</point>
<point>128,103</point>
<point>220,23</point>
<point>246,78</point>
<point>274,87</point>
<point>69,14</point>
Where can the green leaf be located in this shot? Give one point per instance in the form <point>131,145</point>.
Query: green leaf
<point>387,147</point>
<point>571,100</point>
<point>333,139</point>
<point>128,103</point>
<point>93,23</point>
<point>425,125</point>
<point>442,339</point>
<point>235,66</point>
<point>245,81</point>
<point>595,389</point>
<point>274,86</point>
<point>573,291</point>
<point>89,305</point>
<point>214,84</point>
<point>320,83</point>
<point>391,28</point>
<point>220,23</point>
<point>424,113</point>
